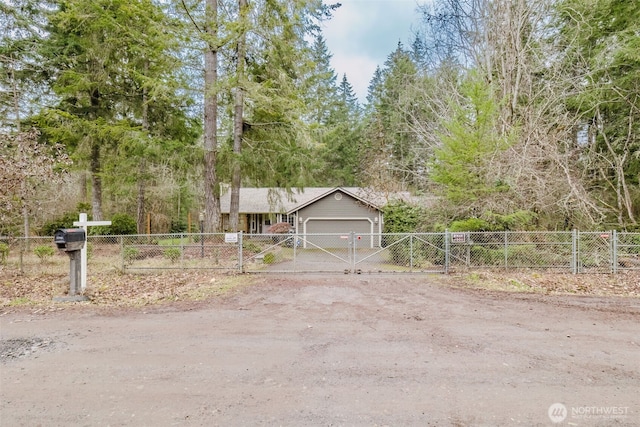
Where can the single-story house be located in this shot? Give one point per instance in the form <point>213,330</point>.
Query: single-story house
<point>313,210</point>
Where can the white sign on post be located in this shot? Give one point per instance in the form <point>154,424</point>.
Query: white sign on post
<point>83,253</point>
<point>231,237</point>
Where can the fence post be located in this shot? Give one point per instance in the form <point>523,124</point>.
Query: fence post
<point>122,253</point>
<point>614,251</point>
<point>240,264</point>
<point>22,245</point>
<point>506,250</point>
<point>411,253</point>
<point>446,251</point>
<point>575,256</point>
<point>182,236</point>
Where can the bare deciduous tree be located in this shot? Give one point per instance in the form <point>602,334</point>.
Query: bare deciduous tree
<point>24,165</point>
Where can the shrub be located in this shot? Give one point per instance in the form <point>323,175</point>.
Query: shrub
<point>44,252</point>
<point>470,224</point>
<point>4,253</point>
<point>269,258</point>
<point>130,254</point>
<point>484,256</point>
<point>123,224</point>
<point>178,226</point>
<point>172,254</point>
<point>64,221</point>
<point>120,224</point>
<point>250,247</point>
<point>519,220</point>
<point>400,217</point>
<point>406,250</point>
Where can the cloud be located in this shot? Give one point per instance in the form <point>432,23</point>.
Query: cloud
<point>362,34</point>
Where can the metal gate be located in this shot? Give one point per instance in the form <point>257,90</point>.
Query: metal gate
<point>345,253</point>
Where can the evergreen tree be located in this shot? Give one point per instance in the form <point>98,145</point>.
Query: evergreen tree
<point>321,95</point>
<point>374,90</point>
<point>463,165</point>
<point>390,116</point>
<point>275,135</point>
<point>343,140</point>
<point>21,78</point>
<point>112,73</point>
<point>334,121</point>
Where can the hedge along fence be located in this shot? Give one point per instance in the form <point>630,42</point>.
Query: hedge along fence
<point>573,251</point>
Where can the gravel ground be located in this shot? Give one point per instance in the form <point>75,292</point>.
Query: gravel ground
<point>321,351</point>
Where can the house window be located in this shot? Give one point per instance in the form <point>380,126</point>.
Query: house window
<point>291,219</point>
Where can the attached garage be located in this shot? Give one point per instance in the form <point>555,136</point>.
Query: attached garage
<point>338,225</point>
<point>323,217</point>
<point>338,212</point>
<point>332,232</point>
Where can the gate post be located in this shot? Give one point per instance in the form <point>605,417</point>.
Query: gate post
<point>352,242</point>
<point>294,244</point>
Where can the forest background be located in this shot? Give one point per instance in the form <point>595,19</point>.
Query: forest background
<point>519,114</point>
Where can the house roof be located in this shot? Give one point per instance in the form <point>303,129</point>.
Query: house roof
<point>278,200</point>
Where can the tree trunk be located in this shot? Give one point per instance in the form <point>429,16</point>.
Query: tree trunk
<point>238,119</point>
<point>211,185</point>
<point>25,208</point>
<point>96,182</point>
<point>142,167</point>
<point>16,106</point>
<point>95,161</point>
<point>83,186</point>
<point>140,220</point>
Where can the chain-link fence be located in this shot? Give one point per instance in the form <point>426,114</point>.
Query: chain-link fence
<point>573,251</point>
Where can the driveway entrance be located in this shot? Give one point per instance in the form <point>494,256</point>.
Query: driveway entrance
<point>350,253</point>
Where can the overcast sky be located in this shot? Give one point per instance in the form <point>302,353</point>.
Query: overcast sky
<point>362,33</point>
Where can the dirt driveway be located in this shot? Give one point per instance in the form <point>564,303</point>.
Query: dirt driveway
<point>328,351</point>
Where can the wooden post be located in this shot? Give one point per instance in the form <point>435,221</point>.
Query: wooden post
<point>84,223</point>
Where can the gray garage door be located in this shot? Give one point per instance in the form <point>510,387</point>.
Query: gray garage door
<point>334,232</point>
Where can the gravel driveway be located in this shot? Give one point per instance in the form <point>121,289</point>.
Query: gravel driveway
<point>341,350</point>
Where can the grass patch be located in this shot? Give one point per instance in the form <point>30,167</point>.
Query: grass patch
<point>20,301</point>
<point>494,282</point>
<point>174,241</point>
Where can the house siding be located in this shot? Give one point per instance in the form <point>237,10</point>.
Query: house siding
<point>346,207</point>
<point>338,215</point>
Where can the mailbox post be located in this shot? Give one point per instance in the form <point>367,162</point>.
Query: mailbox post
<point>71,241</point>
<point>83,223</point>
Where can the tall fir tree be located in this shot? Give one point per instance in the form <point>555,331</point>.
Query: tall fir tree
<point>389,116</point>
<point>113,77</point>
